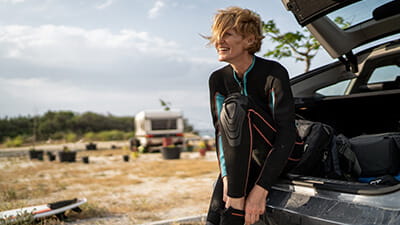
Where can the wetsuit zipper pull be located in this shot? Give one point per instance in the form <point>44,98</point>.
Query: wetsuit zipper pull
<point>241,87</point>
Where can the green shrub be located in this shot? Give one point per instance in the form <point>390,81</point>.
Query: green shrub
<point>102,136</point>
<point>8,142</point>
<point>128,135</point>
<point>14,142</point>
<point>89,136</point>
<point>71,137</point>
<point>110,135</point>
<point>57,136</point>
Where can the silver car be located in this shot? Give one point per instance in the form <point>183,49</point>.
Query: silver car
<point>357,94</point>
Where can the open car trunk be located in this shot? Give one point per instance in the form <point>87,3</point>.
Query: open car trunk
<point>364,107</point>
<point>353,115</point>
<point>353,99</point>
<point>309,200</point>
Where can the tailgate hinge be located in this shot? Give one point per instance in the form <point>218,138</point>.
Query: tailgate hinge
<point>350,62</point>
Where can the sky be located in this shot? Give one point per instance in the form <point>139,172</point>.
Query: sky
<point>117,56</point>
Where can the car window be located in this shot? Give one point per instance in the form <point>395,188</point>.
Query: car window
<point>363,8</point>
<point>337,89</point>
<point>163,124</point>
<point>384,73</point>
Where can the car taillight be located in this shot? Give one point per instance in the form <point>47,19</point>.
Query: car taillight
<point>149,135</point>
<point>179,135</point>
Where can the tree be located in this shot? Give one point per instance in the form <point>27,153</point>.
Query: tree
<point>52,122</point>
<point>187,127</point>
<point>165,105</point>
<point>12,127</point>
<point>61,125</point>
<point>302,46</point>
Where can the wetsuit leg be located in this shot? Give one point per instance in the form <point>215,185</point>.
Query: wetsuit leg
<point>217,204</point>
<point>237,143</point>
<point>231,216</point>
<point>262,123</point>
<point>239,121</point>
<point>217,214</point>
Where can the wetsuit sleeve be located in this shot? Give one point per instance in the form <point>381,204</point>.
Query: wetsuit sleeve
<point>282,106</point>
<point>216,101</point>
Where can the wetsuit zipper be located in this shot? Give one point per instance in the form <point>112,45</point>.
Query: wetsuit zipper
<point>242,82</point>
<point>241,87</point>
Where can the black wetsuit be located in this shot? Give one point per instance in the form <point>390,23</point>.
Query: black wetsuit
<point>260,157</point>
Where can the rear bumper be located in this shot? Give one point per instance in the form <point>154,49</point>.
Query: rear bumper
<point>310,206</point>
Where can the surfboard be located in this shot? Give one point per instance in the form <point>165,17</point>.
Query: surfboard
<point>45,210</point>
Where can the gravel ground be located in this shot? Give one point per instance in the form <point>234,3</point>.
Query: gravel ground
<point>183,196</point>
<point>189,213</point>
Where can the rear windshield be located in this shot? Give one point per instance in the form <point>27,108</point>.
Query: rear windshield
<point>359,13</point>
<point>356,13</point>
<point>163,124</point>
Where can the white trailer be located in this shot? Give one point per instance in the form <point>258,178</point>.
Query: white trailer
<point>151,126</point>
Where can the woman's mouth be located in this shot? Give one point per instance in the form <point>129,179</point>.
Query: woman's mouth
<point>223,50</point>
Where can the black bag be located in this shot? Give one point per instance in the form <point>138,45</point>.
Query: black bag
<point>378,154</point>
<point>317,139</point>
<point>348,162</point>
<point>331,161</point>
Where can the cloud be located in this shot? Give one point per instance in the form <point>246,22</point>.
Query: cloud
<point>104,5</point>
<point>94,52</point>
<point>68,46</point>
<point>53,67</point>
<point>155,11</point>
<point>40,90</point>
<point>12,1</point>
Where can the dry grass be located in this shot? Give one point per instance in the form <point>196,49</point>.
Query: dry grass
<point>145,189</point>
<point>191,223</point>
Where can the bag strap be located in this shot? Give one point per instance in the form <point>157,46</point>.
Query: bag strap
<point>346,151</point>
<point>333,165</point>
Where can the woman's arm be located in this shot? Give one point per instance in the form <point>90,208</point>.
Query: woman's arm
<point>278,88</point>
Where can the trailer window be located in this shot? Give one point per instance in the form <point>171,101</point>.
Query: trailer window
<point>163,124</point>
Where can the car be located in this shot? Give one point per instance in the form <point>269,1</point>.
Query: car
<point>357,95</point>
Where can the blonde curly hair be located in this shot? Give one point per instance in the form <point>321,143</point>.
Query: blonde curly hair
<point>243,21</point>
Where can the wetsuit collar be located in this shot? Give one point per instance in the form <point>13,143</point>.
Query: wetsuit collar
<point>244,81</point>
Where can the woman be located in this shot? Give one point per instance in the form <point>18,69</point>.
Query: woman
<point>253,114</point>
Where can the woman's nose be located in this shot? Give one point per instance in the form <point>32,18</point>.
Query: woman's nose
<point>220,40</point>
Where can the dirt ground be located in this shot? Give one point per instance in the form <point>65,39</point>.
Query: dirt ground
<point>140,191</point>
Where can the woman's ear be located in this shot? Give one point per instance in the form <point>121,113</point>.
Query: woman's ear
<point>250,40</point>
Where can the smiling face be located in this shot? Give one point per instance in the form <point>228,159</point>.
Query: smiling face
<point>232,47</point>
<point>236,32</point>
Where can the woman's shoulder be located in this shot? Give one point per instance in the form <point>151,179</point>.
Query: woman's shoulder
<point>270,63</point>
<point>219,73</point>
<point>222,70</point>
<point>274,67</point>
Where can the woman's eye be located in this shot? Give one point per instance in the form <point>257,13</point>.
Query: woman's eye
<point>227,34</point>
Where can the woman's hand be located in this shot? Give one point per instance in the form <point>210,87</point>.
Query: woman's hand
<point>236,203</point>
<point>255,204</point>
